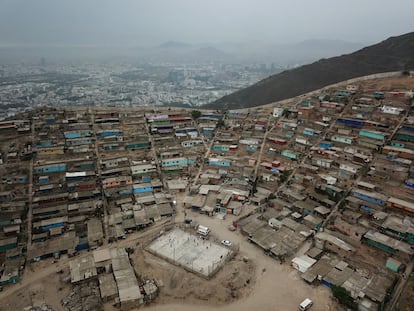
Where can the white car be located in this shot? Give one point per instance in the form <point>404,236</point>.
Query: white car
<point>226,243</point>
<point>305,305</point>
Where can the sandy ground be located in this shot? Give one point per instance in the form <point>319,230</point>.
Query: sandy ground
<point>406,302</point>
<point>396,83</point>
<point>40,284</point>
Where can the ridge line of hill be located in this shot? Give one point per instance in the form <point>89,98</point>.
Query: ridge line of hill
<point>337,84</point>
<point>392,54</point>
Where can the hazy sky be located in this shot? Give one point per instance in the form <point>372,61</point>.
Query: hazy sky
<point>149,22</point>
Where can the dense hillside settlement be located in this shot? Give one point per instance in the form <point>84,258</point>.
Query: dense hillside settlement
<point>107,208</point>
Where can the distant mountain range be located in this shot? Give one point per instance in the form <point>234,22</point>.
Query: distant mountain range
<point>395,53</point>
<point>227,52</point>
<point>182,53</point>
<point>173,45</point>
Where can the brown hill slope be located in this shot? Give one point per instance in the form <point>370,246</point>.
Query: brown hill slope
<point>393,54</point>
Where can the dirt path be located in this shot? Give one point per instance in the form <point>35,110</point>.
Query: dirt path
<point>33,274</point>
<point>39,284</point>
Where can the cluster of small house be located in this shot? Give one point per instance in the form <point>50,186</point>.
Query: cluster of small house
<point>87,176</point>
<point>369,289</point>
<point>117,279</point>
<point>227,174</point>
<point>336,152</point>
<point>15,151</point>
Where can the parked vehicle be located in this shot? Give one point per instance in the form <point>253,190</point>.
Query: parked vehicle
<point>203,231</point>
<point>305,305</point>
<point>226,243</point>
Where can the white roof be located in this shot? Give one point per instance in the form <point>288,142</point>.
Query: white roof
<point>306,302</point>
<point>304,260</point>
<point>75,174</point>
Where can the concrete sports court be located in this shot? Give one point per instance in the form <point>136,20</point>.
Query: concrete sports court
<point>189,251</point>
